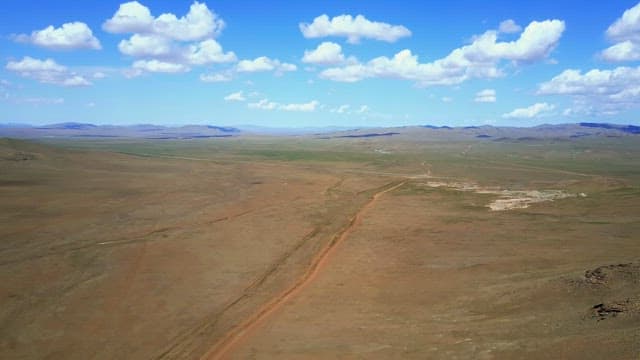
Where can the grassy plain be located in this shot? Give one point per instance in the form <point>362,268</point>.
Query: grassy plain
<point>164,249</point>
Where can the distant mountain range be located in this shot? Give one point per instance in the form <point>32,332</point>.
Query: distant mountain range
<point>145,131</point>
<point>150,131</point>
<point>494,133</point>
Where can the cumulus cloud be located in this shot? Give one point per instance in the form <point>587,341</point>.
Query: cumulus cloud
<point>131,17</point>
<point>485,96</point>
<point>208,52</point>
<point>160,48</point>
<point>73,35</point>
<point>480,59</point>
<point>353,28</point>
<point>47,72</point>
<point>159,66</point>
<point>159,41</point>
<point>446,99</point>
<point>265,104</point>
<point>625,32</point>
<point>624,51</point>
<point>535,110</point>
<point>327,53</point>
<point>626,27</point>
<point>199,23</point>
<point>75,81</point>
<point>597,91</point>
<point>305,107</point>
<point>509,27</point>
<point>596,81</point>
<point>31,65</point>
<point>264,63</point>
<point>145,46</point>
<point>236,96</point>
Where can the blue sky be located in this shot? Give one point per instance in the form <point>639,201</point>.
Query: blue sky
<point>320,63</point>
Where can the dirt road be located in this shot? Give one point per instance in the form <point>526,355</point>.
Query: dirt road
<point>225,346</point>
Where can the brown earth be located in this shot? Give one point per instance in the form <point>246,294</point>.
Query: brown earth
<point>106,255</point>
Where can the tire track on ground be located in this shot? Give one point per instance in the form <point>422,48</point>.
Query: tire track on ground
<point>241,332</point>
<point>142,238</point>
<point>183,341</point>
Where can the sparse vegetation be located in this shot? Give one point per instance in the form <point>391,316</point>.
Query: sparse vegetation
<point>187,239</point>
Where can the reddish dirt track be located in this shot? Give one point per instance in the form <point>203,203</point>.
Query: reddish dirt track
<point>226,346</point>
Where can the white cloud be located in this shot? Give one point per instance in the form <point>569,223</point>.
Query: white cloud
<point>597,91</point>
<point>365,111</point>
<point>348,109</point>
<point>158,41</point>
<point>624,51</point>
<point>199,23</point>
<point>327,53</point>
<point>476,60</point>
<point>31,65</point>
<point>509,27</point>
<point>160,48</point>
<point>264,63</point>
<point>596,81</point>
<point>131,17</point>
<point>146,45</point>
<point>47,71</point>
<point>304,107</point>
<point>99,75</point>
<point>446,99</point>
<point>90,104</point>
<point>75,81</point>
<point>209,52</point>
<point>486,95</point>
<point>159,66</point>
<point>265,104</point>
<point>537,40</point>
<point>626,27</point>
<point>353,29</point>
<point>236,96</point>
<point>73,35</point>
<point>216,77</point>
<point>625,32</point>
<point>286,67</point>
<point>532,111</point>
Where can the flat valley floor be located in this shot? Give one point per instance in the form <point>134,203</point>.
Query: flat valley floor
<point>300,248</point>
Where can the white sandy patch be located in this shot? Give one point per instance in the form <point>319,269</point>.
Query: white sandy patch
<point>509,199</point>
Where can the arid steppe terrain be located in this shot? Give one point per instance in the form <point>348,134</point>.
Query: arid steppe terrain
<point>315,248</point>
